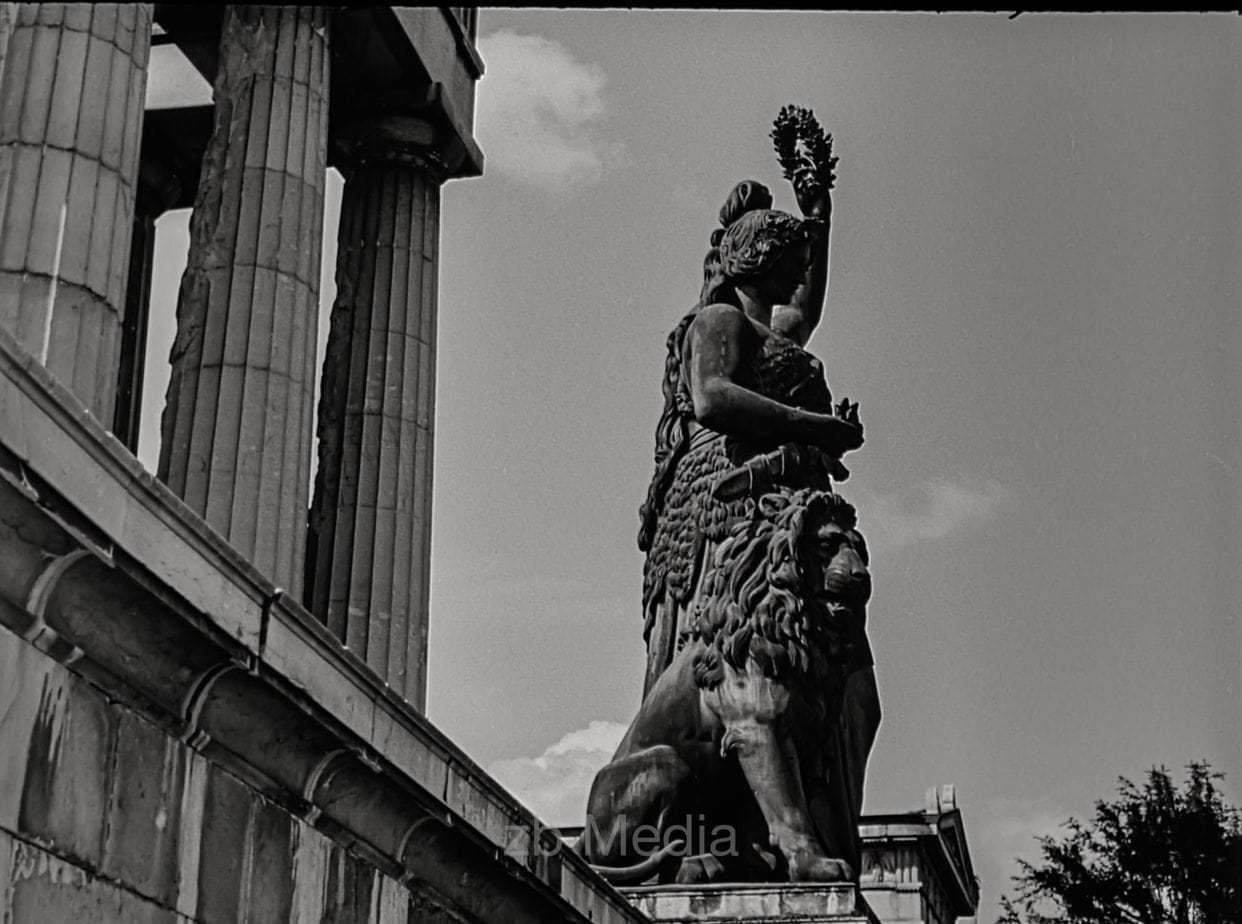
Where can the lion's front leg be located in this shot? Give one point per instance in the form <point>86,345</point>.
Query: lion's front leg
<point>771,767</point>
<point>751,708</point>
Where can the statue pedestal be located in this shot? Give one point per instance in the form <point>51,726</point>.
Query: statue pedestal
<point>753,903</point>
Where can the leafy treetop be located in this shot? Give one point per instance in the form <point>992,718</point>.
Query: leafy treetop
<point>1153,855</point>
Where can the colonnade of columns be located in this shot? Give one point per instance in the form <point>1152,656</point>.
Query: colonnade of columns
<point>237,424</point>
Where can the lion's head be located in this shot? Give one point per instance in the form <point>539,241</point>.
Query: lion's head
<point>786,594</point>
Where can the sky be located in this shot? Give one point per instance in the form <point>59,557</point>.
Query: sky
<point>1034,296</point>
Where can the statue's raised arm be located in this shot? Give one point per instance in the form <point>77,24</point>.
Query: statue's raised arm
<point>805,153</point>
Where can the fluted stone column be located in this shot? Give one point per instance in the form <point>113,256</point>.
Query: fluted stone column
<point>237,424</point>
<point>371,517</point>
<point>71,103</point>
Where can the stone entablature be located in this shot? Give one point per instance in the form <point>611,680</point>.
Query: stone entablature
<point>151,613</point>
<point>916,867</point>
<point>414,58</point>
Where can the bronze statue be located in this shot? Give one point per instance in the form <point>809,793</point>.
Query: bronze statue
<point>759,704</point>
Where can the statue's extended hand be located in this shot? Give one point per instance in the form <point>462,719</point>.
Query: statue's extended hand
<point>839,435</point>
<point>846,412</point>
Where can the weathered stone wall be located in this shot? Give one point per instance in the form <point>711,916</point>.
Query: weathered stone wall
<point>105,817</point>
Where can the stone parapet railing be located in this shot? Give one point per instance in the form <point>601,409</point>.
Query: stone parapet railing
<point>105,570</point>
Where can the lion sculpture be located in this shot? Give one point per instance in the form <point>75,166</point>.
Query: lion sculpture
<point>738,732</point>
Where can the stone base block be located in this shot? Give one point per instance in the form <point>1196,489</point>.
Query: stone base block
<point>753,903</point>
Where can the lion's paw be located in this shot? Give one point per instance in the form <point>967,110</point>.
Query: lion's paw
<point>812,868</point>
<point>703,867</point>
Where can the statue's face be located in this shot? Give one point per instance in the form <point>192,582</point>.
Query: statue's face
<point>782,281</point>
<point>845,584</point>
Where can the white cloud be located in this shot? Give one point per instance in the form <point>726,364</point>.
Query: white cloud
<point>535,106</point>
<point>939,509</point>
<point>555,784</point>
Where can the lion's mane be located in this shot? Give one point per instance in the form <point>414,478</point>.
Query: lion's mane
<point>758,603</point>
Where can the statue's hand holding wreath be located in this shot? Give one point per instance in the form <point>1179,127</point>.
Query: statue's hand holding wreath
<point>805,153</point>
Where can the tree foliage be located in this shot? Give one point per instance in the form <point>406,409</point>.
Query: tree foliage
<point>1153,855</point>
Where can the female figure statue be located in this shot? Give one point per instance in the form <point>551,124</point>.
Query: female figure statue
<point>748,410</point>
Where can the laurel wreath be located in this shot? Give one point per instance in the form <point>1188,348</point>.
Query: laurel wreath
<point>804,150</point>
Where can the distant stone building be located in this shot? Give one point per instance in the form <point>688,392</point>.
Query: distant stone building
<point>208,711</point>
<point>916,866</point>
